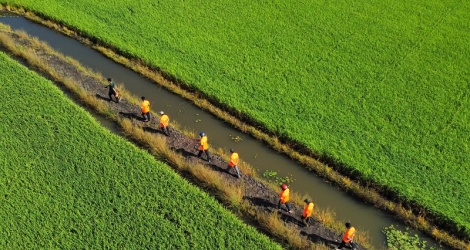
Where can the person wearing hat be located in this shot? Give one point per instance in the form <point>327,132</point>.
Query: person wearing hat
<point>203,147</point>
<point>164,120</point>
<point>348,237</point>
<point>233,163</point>
<point>284,198</point>
<point>145,105</point>
<point>112,91</point>
<point>308,211</point>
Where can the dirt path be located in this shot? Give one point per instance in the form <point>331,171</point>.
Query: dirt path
<point>262,197</point>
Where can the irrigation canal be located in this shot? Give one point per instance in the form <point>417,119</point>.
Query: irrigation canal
<point>363,216</point>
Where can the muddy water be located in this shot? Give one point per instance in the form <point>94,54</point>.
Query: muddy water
<point>363,216</point>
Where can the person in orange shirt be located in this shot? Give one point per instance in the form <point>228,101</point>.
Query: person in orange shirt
<point>145,109</point>
<point>233,163</point>
<point>284,198</point>
<point>203,147</point>
<point>348,237</point>
<point>308,211</point>
<point>164,120</point>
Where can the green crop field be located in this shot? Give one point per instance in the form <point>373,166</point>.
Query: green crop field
<point>68,183</point>
<point>380,86</point>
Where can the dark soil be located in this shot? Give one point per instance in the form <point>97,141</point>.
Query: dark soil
<point>263,198</point>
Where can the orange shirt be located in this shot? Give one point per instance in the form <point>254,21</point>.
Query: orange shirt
<point>308,210</point>
<point>284,196</point>
<point>349,234</point>
<point>145,106</point>
<point>233,159</point>
<point>203,144</point>
<point>164,121</point>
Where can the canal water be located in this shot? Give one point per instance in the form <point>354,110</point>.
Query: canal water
<point>363,216</point>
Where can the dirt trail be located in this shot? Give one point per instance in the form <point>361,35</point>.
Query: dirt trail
<point>262,197</point>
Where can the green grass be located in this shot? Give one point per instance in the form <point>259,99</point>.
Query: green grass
<point>379,86</point>
<point>68,183</point>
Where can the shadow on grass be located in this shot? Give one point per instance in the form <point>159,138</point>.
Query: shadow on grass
<point>231,171</point>
<point>291,218</point>
<point>266,204</point>
<point>185,153</point>
<point>318,239</point>
<point>153,130</point>
<point>156,131</point>
<point>131,116</point>
<point>105,98</point>
<point>220,169</point>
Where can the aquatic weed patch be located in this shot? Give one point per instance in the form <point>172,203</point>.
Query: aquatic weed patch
<point>379,87</point>
<point>66,182</point>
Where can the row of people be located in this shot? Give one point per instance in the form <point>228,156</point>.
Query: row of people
<point>164,122</point>
<point>113,92</point>
<point>284,196</point>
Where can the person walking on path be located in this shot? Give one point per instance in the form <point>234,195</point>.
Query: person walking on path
<point>203,147</point>
<point>164,120</point>
<point>145,109</point>
<point>112,91</point>
<point>284,198</point>
<point>233,163</point>
<point>348,237</point>
<point>308,211</point>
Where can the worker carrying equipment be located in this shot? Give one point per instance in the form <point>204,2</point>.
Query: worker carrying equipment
<point>112,91</point>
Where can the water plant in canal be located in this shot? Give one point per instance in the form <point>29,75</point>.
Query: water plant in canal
<point>398,240</point>
<point>274,177</point>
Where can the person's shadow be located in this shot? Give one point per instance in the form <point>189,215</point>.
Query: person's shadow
<point>318,239</point>
<point>184,152</point>
<point>266,204</point>
<point>219,169</point>
<point>153,130</point>
<point>131,116</point>
<point>290,218</point>
<point>103,98</point>
<point>230,171</point>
